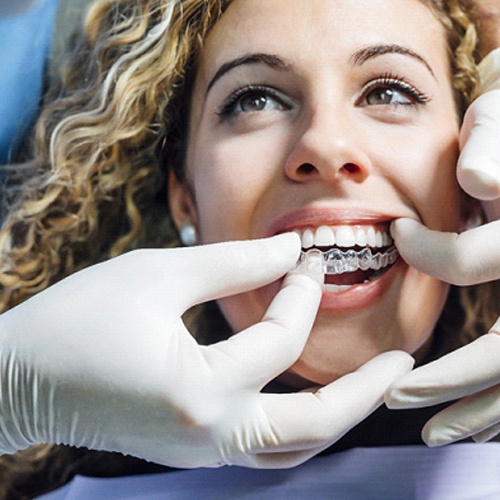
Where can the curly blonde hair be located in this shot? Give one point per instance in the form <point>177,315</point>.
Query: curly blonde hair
<point>96,186</point>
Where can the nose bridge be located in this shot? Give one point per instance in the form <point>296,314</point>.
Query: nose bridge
<point>329,143</point>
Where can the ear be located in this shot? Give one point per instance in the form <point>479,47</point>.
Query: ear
<point>180,199</point>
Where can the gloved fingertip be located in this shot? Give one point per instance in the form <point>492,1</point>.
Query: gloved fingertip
<point>482,183</point>
<point>403,226</point>
<point>394,363</point>
<point>312,264</point>
<point>480,438</point>
<point>287,242</point>
<point>487,434</point>
<point>398,399</point>
<point>433,437</point>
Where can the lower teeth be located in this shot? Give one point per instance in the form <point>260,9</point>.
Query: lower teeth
<point>337,261</point>
<point>336,288</point>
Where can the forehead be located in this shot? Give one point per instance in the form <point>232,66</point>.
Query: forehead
<point>321,29</point>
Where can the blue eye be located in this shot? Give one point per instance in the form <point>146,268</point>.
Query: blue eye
<point>253,99</point>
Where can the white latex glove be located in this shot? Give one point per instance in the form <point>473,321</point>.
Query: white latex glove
<point>478,169</point>
<point>472,372</point>
<point>479,163</point>
<point>103,360</point>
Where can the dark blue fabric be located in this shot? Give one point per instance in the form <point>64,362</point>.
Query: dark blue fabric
<point>25,41</point>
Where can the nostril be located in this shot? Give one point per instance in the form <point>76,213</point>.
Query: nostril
<point>306,168</point>
<point>351,168</point>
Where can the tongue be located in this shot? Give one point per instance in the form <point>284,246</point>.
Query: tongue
<point>346,278</point>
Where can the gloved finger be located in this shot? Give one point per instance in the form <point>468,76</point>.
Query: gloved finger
<point>464,259</point>
<point>467,370</point>
<point>263,351</point>
<point>309,421</point>
<point>283,459</point>
<point>487,434</point>
<point>478,169</point>
<point>466,418</point>
<point>203,273</point>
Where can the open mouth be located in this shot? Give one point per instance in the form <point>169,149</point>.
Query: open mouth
<point>352,255</point>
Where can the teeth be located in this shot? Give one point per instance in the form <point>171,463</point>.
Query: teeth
<point>336,288</point>
<point>307,239</point>
<point>325,237</point>
<point>345,237</point>
<point>337,262</point>
<point>361,238</point>
<point>371,237</point>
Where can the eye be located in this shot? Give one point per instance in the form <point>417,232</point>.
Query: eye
<point>257,101</point>
<point>390,91</point>
<point>253,99</point>
<point>386,95</point>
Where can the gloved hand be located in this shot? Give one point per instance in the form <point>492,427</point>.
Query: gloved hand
<point>472,372</point>
<point>103,360</point>
<point>478,169</point>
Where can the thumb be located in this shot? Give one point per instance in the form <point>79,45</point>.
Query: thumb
<point>478,169</point>
<point>213,271</point>
<point>460,259</point>
<point>268,348</point>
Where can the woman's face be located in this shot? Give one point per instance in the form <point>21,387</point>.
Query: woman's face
<point>336,115</point>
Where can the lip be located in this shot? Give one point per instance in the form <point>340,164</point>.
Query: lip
<point>361,296</point>
<point>315,217</point>
<point>358,297</point>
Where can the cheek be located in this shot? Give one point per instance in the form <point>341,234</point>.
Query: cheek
<point>422,299</point>
<point>230,178</point>
<point>427,179</point>
<point>439,198</point>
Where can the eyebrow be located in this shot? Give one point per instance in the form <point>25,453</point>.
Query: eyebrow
<point>363,55</point>
<point>270,60</point>
<point>277,63</point>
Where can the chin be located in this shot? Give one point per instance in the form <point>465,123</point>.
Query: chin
<point>340,343</point>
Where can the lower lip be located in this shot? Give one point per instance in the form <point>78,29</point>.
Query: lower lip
<point>361,296</point>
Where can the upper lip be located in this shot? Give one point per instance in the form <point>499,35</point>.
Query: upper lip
<point>315,217</point>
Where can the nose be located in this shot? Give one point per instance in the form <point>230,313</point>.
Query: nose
<point>329,146</point>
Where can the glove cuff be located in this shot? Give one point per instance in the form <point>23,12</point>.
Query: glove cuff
<point>489,72</point>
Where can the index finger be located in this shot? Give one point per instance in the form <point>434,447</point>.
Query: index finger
<point>310,420</point>
<point>467,370</point>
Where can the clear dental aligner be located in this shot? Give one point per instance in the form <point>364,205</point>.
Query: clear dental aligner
<point>338,261</point>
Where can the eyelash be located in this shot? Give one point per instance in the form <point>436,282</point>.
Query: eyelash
<point>389,80</point>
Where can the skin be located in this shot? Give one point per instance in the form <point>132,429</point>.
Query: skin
<point>327,151</point>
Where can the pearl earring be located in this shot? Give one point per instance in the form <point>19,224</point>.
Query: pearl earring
<point>188,235</point>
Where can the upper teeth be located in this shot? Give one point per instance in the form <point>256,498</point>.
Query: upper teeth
<point>345,236</point>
